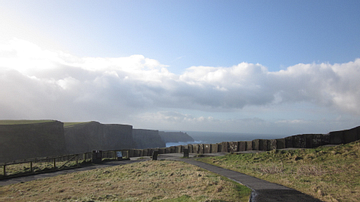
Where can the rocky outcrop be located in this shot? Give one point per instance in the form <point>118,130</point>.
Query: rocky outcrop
<point>175,137</point>
<point>89,136</point>
<point>147,139</point>
<point>31,140</point>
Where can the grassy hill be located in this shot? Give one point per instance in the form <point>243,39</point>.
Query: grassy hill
<point>327,173</point>
<point>72,124</point>
<point>15,122</point>
<point>144,181</point>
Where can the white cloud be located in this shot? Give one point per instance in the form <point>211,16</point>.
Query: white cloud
<point>296,121</point>
<point>323,84</point>
<point>37,83</point>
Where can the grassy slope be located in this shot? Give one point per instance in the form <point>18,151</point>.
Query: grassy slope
<point>71,124</point>
<point>327,173</point>
<point>145,181</point>
<point>15,122</point>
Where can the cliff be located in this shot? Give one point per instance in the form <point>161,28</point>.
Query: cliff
<point>89,136</point>
<point>30,139</point>
<point>175,137</point>
<point>147,139</point>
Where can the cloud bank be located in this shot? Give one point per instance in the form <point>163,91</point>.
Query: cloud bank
<point>37,83</point>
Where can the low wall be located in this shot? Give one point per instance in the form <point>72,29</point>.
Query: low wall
<point>296,141</point>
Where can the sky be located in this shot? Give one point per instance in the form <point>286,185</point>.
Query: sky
<point>263,67</point>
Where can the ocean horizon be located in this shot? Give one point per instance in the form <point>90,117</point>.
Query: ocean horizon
<point>217,137</point>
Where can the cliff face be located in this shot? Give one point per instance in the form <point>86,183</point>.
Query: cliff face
<point>147,139</point>
<point>86,137</point>
<point>117,136</point>
<point>23,141</point>
<point>175,137</point>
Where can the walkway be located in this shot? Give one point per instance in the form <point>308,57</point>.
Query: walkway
<point>263,191</point>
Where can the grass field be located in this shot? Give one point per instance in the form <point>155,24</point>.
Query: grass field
<point>327,173</point>
<point>22,169</point>
<point>71,124</point>
<point>144,181</point>
<point>14,122</point>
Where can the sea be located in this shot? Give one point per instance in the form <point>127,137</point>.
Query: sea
<point>217,137</point>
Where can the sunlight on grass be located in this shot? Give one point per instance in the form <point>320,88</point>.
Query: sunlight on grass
<point>327,173</point>
<point>15,122</point>
<point>145,181</point>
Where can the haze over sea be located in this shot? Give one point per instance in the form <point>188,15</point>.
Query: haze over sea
<point>217,137</point>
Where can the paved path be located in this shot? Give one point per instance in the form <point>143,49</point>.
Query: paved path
<point>263,191</point>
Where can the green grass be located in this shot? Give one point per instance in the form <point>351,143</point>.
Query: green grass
<point>71,124</point>
<point>327,173</point>
<point>171,181</point>
<point>23,169</point>
<point>16,122</point>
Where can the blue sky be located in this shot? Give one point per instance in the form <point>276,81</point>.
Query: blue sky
<point>277,67</point>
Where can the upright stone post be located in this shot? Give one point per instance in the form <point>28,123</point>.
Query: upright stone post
<point>207,148</point>
<point>256,144</point>
<point>281,143</point>
<point>242,146</point>
<point>126,154</point>
<point>249,146</point>
<point>186,153</point>
<point>225,147</point>
<point>272,144</point>
<point>96,156</point>
<point>155,155</point>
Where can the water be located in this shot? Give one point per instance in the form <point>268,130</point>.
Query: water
<point>217,137</point>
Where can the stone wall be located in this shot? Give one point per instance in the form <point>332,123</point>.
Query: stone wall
<point>24,141</point>
<point>296,141</point>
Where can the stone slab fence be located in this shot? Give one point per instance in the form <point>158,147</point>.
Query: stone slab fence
<point>296,141</point>
<point>61,162</point>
